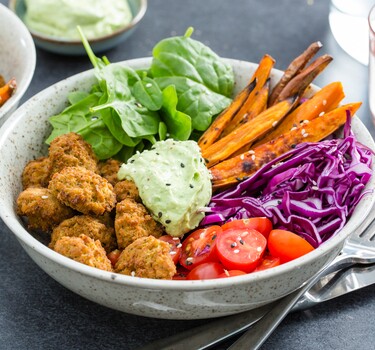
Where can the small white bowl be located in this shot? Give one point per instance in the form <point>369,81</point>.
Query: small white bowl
<point>17,58</point>
<point>23,139</point>
<point>75,47</point>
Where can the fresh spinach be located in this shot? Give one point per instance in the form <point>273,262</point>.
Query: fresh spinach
<point>127,110</point>
<point>203,81</point>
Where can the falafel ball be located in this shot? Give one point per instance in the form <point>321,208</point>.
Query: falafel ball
<point>43,210</point>
<point>84,250</point>
<point>37,173</point>
<point>147,257</point>
<point>69,150</point>
<point>88,225</point>
<point>133,221</point>
<point>127,189</point>
<point>83,190</point>
<point>109,169</point>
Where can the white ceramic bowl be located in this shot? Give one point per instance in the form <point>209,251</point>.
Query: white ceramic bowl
<point>17,57</point>
<point>75,47</point>
<point>22,139</point>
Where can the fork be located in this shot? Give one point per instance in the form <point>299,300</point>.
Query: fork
<point>359,248</point>
<point>223,328</point>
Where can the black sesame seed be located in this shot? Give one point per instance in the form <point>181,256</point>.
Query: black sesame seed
<point>167,221</point>
<point>157,153</point>
<point>187,262</point>
<point>213,237</point>
<point>167,184</point>
<point>182,165</point>
<point>191,186</point>
<point>293,146</point>
<point>233,245</point>
<point>132,161</point>
<point>241,241</point>
<point>160,214</point>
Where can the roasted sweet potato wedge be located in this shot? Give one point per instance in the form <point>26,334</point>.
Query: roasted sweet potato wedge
<point>293,69</point>
<point>302,80</point>
<point>225,117</point>
<point>258,105</point>
<point>238,168</point>
<point>7,91</point>
<point>323,101</point>
<point>246,133</point>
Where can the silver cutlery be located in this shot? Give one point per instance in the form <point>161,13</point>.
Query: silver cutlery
<point>359,248</point>
<point>223,328</point>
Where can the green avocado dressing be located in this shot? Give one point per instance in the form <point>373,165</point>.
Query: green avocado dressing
<point>173,183</point>
<point>60,18</point>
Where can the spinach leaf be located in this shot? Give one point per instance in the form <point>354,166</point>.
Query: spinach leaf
<point>195,100</point>
<point>148,93</point>
<point>201,71</point>
<point>178,123</point>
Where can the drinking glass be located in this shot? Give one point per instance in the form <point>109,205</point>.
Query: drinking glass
<point>348,23</point>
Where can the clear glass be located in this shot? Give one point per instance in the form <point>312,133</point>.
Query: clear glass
<point>371,22</point>
<point>348,23</point>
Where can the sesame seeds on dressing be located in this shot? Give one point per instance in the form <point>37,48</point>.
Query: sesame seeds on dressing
<point>236,251</point>
<point>148,85</point>
<point>315,188</point>
<point>172,252</point>
<point>293,128</point>
<point>253,156</point>
<point>178,245</point>
<point>251,152</point>
<point>245,115</point>
<point>321,114</point>
<point>242,156</point>
<point>175,238</point>
<point>274,123</point>
<point>44,197</point>
<point>132,273</point>
<point>324,102</point>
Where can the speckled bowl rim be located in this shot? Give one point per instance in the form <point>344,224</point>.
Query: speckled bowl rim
<point>30,65</point>
<point>53,40</point>
<point>198,285</point>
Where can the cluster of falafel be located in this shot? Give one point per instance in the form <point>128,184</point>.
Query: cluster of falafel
<point>89,215</point>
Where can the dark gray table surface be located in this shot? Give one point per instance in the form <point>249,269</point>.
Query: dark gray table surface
<point>38,313</point>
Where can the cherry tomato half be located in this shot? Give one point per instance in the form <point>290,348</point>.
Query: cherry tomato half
<point>175,244</point>
<point>287,245</point>
<point>261,224</point>
<point>232,273</point>
<point>240,249</point>
<point>206,271</point>
<point>267,262</point>
<point>199,247</point>
<point>113,256</point>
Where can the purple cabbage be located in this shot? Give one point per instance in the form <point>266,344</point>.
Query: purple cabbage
<point>312,190</point>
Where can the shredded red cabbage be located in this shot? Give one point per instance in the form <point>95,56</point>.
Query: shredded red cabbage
<point>312,193</point>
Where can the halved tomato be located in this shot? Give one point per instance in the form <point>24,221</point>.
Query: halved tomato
<point>199,247</point>
<point>206,271</point>
<point>267,262</point>
<point>232,273</point>
<point>240,249</point>
<point>175,244</point>
<point>287,245</point>
<point>113,256</point>
<point>261,224</point>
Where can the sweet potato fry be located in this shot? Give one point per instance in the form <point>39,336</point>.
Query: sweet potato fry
<point>323,101</point>
<point>225,117</point>
<point>7,90</point>
<point>258,105</point>
<point>294,68</point>
<point>301,81</point>
<point>245,97</point>
<point>238,168</point>
<point>246,133</point>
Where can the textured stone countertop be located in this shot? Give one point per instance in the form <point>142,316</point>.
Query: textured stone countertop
<point>38,313</point>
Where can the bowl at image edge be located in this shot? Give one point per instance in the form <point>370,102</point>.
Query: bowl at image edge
<point>75,47</point>
<point>17,58</point>
<point>147,297</point>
